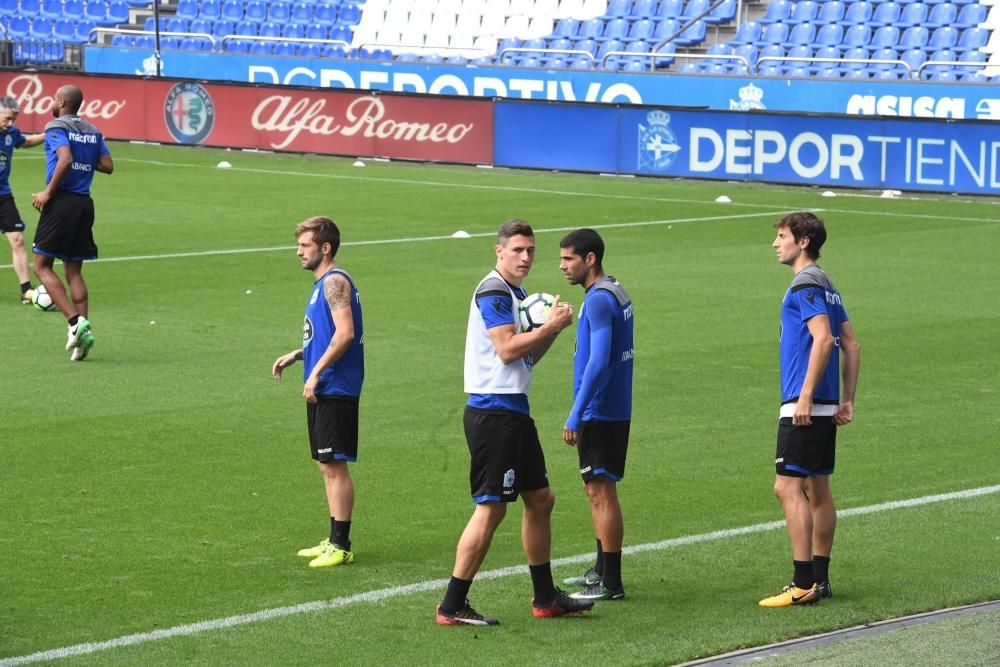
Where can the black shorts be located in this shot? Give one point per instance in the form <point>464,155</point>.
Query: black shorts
<point>602,449</point>
<point>10,217</point>
<point>66,228</point>
<point>806,451</point>
<point>506,455</point>
<point>333,428</point>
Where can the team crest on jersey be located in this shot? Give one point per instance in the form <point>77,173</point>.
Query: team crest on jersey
<point>307,332</point>
<point>657,144</point>
<point>7,141</point>
<point>508,479</point>
<point>314,297</point>
<point>189,113</point>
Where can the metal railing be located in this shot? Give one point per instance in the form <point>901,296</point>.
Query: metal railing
<point>812,59</point>
<point>527,49</point>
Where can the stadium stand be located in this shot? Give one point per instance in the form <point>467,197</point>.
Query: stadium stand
<point>931,39</point>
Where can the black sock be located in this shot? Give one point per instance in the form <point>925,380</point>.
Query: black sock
<point>455,595</point>
<point>612,576</point>
<point>340,534</point>
<point>803,574</point>
<point>541,581</point>
<point>821,568</point>
<point>25,287</point>
<point>599,564</point>
<point>73,320</point>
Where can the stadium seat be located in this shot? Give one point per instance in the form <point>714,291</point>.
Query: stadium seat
<point>799,58</point>
<point>210,9</point>
<point>293,30</point>
<point>930,71</point>
<point>51,9</point>
<point>857,13</point>
<point>970,16</point>
<point>270,29</point>
<point>858,35</point>
<point>614,29</point>
<point>942,15</point>
<point>945,37</point>
<point>694,34</point>
<point>73,9</point>
<point>885,55</point>
<point>284,49</point>
<point>96,11</point>
<point>643,9</point>
<point>828,52</point>
<point>341,33</point>
<point>187,9</point>
<point>566,28</point>
<point>976,60</point>
<point>118,12</point>
<point>334,51</point>
<point>122,41</point>
<point>255,10</point>
<point>203,26</point>
<point>913,14</point>
<point>232,10</point>
<point>801,33</point>
<point>688,68</point>
<point>886,13</point>
<point>774,33</point>
<point>590,29</point>
<point>830,34</point>
<point>325,13</point>
<point>641,30</point>
<point>973,77</point>
<point>223,27</point>
<point>693,8</point>
<point>769,56</point>
<point>31,8</point>
<point>175,24</point>
<point>831,11</point>
<point>747,52</point>
<point>724,12</point>
<point>917,37</point>
<point>972,39</point>
<point>241,46</point>
<point>349,15</point>
<point>9,7</point>
<point>259,48</point>
<point>316,31</point>
<point>41,28</point>
<point>747,33</point>
<point>914,58</point>
<point>776,12</point>
<point>667,29</point>
<point>247,28</point>
<point>669,9</point>
<point>618,8</point>
<point>887,35</point>
<point>804,11</point>
<point>64,30</point>
<point>195,44</point>
<point>279,12</point>
<point>858,55</point>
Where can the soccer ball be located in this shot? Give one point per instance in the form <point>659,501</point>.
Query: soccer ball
<point>534,310</point>
<point>42,300</point>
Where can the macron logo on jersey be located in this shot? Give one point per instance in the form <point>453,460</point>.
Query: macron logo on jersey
<point>82,138</point>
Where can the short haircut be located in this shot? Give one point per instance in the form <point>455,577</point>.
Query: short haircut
<point>8,103</point>
<point>514,227</point>
<point>324,230</point>
<point>585,241</point>
<point>805,224</point>
<point>72,96</point>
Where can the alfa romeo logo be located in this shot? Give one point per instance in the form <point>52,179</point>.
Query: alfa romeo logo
<point>189,113</point>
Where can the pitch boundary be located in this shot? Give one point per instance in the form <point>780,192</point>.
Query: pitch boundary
<point>435,584</point>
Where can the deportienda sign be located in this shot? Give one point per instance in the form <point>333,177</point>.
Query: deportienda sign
<point>269,118</point>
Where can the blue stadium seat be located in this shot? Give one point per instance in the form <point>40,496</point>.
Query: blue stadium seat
<point>916,37</point>
<point>566,28</point>
<point>857,13</point>
<point>885,54</point>
<point>223,27</point>
<point>73,9</point>
<point>293,30</point>
<point>695,34</point>
<point>614,29</point>
<point>914,58</point>
<point>118,12</point>
<point>325,13</point>
<point>830,34</point>
<point>801,33</point>
<point>349,15</point>
<point>201,25</point>
<point>859,54</point>
<point>232,10</point>
<point>83,28</point>
<point>774,54</point>
<point>695,8</point>
<point>241,46</point>
<point>887,35</point>
<point>256,10</point>
<point>971,15</point>
<point>31,8</point>
<point>886,13</point>
<point>96,11</point>
<point>64,30</point>
<point>973,77</point>
<point>804,11</point>
<point>618,8</point>
<point>170,43</point>
<point>588,45</point>
<point>643,9</point>
<point>831,11</point>
<point>559,43</point>
<point>258,48</point>
<point>688,67</point>
<point>195,44</point>
<point>976,60</point>
<point>316,31</point>
<point>51,9</point>
<point>122,41</point>
<point>775,33</point>
<point>724,12</point>
<point>913,14</point>
<point>187,9</point>
<point>284,49</point>
<point>41,28</point>
<point>8,7</point>
<point>280,12</point>
<point>210,9</point>
<point>826,71</point>
<point>334,51</point>
<point>669,27</point>
<point>641,30</point>
<point>944,75</point>
<point>669,9</point>
<point>174,24</point>
<point>590,29</point>
<point>943,38</point>
<point>270,29</point>
<point>747,33</point>
<point>341,33</point>
<point>776,12</point>
<point>800,51</point>
<point>930,71</point>
<point>830,52</point>
<point>247,28</point>
<point>942,15</point>
<point>310,50</point>
<point>972,39</point>
<point>857,35</point>
<point>150,24</point>
<point>747,51</point>
<point>302,12</point>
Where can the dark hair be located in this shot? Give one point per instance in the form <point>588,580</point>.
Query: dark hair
<point>514,227</point>
<point>72,96</point>
<point>808,225</point>
<point>324,230</point>
<point>585,241</point>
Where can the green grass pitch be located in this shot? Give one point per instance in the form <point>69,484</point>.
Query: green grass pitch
<point>166,481</point>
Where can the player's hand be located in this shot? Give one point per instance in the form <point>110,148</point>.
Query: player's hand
<point>281,363</point>
<point>803,412</point>
<point>844,414</point>
<point>570,437</point>
<point>40,199</point>
<point>560,315</point>
<point>309,390</point>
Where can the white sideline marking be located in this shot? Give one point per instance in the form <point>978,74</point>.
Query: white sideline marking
<point>421,586</point>
<point>418,239</point>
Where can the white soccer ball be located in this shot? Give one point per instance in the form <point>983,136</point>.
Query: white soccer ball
<point>42,300</point>
<point>534,310</point>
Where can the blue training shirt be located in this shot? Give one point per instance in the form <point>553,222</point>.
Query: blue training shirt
<point>810,294</point>
<point>603,361</point>
<point>497,308</point>
<point>9,140</point>
<point>345,376</point>
<point>85,142</point>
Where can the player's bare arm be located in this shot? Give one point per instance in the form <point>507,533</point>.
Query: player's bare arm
<point>64,160</point>
<point>337,291</point>
<point>284,361</point>
<point>105,164</point>
<point>850,366</point>
<point>512,346</point>
<point>33,139</point>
